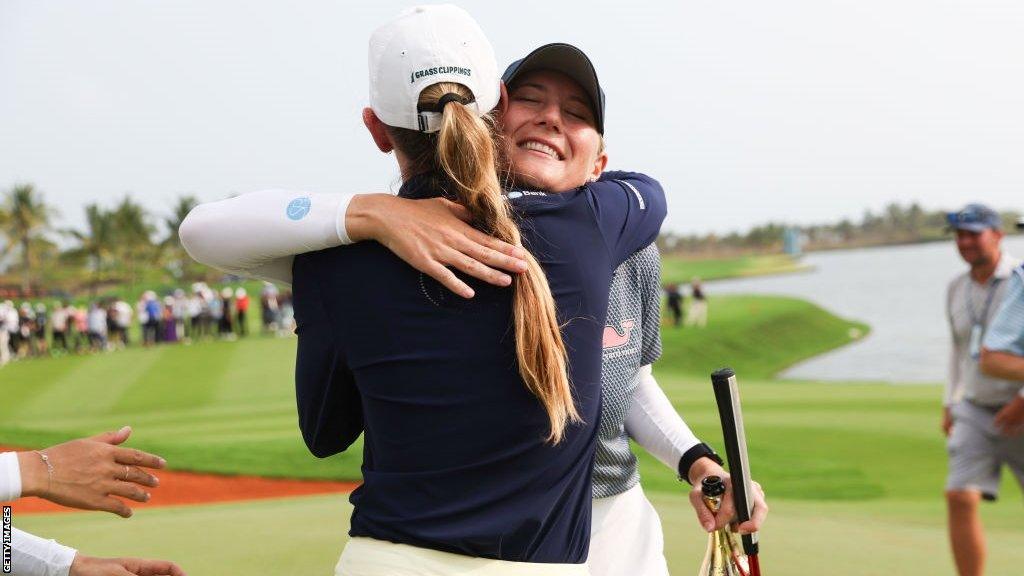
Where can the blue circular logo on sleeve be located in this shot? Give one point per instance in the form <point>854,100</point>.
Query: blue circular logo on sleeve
<point>298,208</point>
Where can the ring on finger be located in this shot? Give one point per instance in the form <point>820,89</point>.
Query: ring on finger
<point>126,472</point>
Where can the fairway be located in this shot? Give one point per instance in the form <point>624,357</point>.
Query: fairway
<point>228,407</point>
<point>854,471</point>
<point>303,536</point>
<point>675,270</point>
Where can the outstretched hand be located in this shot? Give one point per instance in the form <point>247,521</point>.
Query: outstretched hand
<point>434,236</point>
<point>88,566</point>
<point>88,472</point>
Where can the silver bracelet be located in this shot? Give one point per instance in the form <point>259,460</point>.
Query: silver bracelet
<point>49,469</point>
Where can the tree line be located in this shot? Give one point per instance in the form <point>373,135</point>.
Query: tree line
<point>124,244</point>
<point>895,224</point>
<point>120,244</point>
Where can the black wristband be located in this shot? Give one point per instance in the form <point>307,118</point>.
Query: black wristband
<point>699,451</point>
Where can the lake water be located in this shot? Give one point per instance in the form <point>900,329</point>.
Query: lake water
<point>899,291</point>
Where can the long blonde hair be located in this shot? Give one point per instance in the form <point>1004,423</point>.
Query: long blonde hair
<point>465,150</point>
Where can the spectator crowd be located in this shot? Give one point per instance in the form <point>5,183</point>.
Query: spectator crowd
<point>33,329</point>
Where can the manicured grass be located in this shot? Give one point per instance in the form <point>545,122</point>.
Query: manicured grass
<point>755,335</point>
<point>676,270</point>
<point>854,471</point>
<point>295,536</point>
<point>823,442</point>
<point>305,536</point>
<point>214,406</point>
<point>228,406</point>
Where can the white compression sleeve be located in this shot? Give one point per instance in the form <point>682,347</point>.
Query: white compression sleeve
<point>654,423</point>
<point>34,556</point>
<point>10,477</point>
<point>258,234</point>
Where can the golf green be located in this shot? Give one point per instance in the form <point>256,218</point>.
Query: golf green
<point>854,472</point>
<point>303,536</point>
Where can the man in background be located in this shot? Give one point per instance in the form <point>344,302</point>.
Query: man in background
<point>97,327</point>
<point>698,313</point>
<point>41,347</point>
<point>6,308</point>
<point>675,303</point>
<point>59,326</point>
<point>242,306</point>
<point>123,320</point>
<point>269,308</point>
<point>973,399</point>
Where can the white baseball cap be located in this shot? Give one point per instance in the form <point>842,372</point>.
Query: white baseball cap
<point>422,46</point>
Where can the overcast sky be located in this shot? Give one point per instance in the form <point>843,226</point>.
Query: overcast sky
<point>747,111</point>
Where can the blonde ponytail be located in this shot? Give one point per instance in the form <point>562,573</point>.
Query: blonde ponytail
<point>466,153</point>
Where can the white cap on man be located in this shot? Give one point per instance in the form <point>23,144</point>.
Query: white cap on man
<point>422,46</point>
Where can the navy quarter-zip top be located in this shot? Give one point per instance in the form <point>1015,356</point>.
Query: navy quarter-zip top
<point>454,450</point>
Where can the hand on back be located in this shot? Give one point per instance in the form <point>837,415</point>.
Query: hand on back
<point>434,236</point>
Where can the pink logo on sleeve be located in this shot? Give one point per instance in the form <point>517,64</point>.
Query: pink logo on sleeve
<point>614,338</point>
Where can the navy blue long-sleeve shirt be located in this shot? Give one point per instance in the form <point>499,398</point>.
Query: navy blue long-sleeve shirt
<point>455,456</point>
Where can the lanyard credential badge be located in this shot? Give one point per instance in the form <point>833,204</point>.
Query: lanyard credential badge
<point>977,332</point>
<point>978,322</point>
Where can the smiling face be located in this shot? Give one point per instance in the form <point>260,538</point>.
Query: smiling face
<point>549,126</point>
<point>979,248</point>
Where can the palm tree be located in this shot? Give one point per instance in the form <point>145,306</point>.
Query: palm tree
<point>7,246</point>
<point>97,241</point>
<point>132,233</point>
<point>24,217</point>
<point>176,261</point>
<point>182,207</point>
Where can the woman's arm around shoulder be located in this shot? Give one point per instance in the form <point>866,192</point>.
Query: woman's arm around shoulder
<point>258,233</point>
<point>630,208</point>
